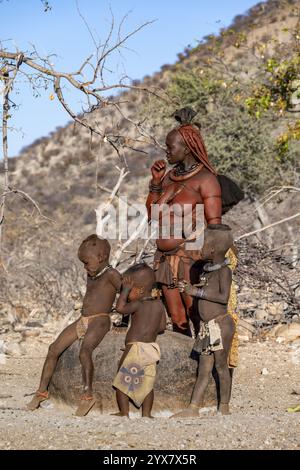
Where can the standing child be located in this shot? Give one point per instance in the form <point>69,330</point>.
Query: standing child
<point>103,282</point>
<point>137,368</point>
<point>217,327</point>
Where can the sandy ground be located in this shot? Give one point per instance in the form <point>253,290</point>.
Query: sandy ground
<point>258,421</point>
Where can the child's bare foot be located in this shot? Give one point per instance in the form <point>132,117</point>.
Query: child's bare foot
<point>37,400</point>
<point>224,409</point>
<point>121,415</point>
<point>85,405</point>
<point>190,412</point>
<point>148,416</point>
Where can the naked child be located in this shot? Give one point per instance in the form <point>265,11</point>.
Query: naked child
<point>103,283</point>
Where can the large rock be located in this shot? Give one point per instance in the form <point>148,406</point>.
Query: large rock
<point>175,379</point>
<point>289,332</point>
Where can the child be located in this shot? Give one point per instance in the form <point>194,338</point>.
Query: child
<point>137,368</point>
<point>217,327</point>
<point>103,282</point>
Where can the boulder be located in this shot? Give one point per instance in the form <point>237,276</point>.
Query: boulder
<point>245,330</point>
<point>289,332</point>
<point>176,373</point>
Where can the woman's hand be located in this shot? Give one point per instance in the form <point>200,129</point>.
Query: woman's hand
<point>158,170</point>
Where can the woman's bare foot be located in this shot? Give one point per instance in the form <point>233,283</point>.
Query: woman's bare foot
<point>224,409</point>
<point>37,400</point>
<point>189,412</point>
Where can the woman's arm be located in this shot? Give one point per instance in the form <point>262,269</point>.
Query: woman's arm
<point>158,171</point>
<point>210,192</point>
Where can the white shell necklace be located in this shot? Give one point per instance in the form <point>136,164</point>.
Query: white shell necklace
<point>208,267</point>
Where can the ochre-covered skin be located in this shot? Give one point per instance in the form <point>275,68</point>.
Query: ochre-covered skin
<point>212,305</point>
<point>147,321</point>
<point>201,188</point>
<point>97,304</point>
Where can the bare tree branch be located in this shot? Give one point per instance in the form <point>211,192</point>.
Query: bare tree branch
<point>268,226</point>
<point>28,198</point>
<point>5,112</point>
<point>103,207</point>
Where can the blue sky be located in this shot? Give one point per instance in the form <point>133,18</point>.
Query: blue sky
<point>61,31</point>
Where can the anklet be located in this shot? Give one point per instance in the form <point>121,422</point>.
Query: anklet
<point>43,394</point>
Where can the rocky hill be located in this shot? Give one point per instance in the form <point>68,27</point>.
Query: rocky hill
<point>61,170</point>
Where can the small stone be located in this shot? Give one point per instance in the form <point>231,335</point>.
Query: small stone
<point>265,371</point>
<point>2,347</point>
<point>33,324</point>
<point>14,349</point>
<point>2,359</point>
<point>276,308</point>
<point>261,314</point>
<point>244,338</point>
<point>47,405</point>
<point>19,328</point>
<point>296,356</point>
<point>30,333</point>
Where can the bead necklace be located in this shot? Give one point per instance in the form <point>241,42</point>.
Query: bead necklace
<point>101,272</point>
<point>179,174</point>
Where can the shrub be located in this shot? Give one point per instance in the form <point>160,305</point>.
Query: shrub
<point>239,145</point>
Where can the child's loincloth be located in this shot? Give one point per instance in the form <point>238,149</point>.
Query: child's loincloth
<point>83,323</point>
<point>209,338</point>
<point>136,375</point>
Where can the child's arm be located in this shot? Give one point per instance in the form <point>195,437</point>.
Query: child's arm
<point>163,322</point>
<point>214,293</point>
<point>123,306</point>
<point>116,279</point>
<point>211,292</point>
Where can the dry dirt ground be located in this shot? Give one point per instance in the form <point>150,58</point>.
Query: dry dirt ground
<point>259,419</point>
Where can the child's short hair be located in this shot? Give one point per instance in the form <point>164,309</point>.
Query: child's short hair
<point>142,269</point>
<point>222,236</point>
<point>94,243</point>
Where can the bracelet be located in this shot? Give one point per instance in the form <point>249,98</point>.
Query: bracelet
<point>200,293</point>
<point>152,190</point>
<point>155,188</point>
